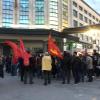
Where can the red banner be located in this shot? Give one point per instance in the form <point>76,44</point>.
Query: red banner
<point>53,48</point>
<point>24,53</point>
<point>15,49</point>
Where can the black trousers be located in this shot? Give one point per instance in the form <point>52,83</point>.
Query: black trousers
<point>47,77</point>
<point>66,74</point>
<point>76,75</point>
<point>90,74</point>
<point>21,71</point>
<point>28,75</point>
<point>1,71</point>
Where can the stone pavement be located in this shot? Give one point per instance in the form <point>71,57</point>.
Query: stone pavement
<point>12,89</point>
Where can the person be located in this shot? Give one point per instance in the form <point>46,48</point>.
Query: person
<point>28,69</point>
<point>89,62</point>
<point>46,68</point>
<point>38,65</point>
<point>95,58</point>
<point>66,67</point>
<point>21,68</point>
<point>8,60</point>
<point>1,68</point>
<point>76,63</point>
<point>82,67</point>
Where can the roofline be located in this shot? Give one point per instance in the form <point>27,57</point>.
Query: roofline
<point>80,29</point>
<point>90,7</point>
<point>28,31</point>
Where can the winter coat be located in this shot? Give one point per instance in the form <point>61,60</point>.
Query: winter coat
<point>76,62</point>
<point>46,63</point>
<point>89,62</point>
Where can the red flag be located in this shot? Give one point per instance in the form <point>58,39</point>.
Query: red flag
<point>15,49</point>
<point>24,53</point>
<point>22,48</point>
<point>53,49</point>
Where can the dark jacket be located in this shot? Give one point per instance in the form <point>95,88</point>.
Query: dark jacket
<point>66,62</point>
<point>76,62</point>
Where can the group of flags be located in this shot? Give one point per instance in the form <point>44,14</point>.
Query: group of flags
<point>20,51</point>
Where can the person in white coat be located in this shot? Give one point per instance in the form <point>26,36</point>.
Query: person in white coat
<point>46,67</point>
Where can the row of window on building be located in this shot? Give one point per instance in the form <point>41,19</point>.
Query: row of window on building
<point>88,39</point>
<point>8,12</point>
<point>85,11</point>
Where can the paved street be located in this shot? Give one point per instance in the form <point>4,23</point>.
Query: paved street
<point>12,89</point>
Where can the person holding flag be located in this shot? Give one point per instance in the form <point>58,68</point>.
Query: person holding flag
<point>27,64</point>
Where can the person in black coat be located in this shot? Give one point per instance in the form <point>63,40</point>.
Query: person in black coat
<point>83,67</point>
<point>95,58</point>
<point>21,68</point>
<point>66,67</point>
<point>1,68</point>
<point>76,63</point>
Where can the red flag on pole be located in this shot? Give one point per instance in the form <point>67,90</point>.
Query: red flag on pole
<point>53,48</point>
<point>15,49</point>
<point>22,48</point>
<point>24,53</point>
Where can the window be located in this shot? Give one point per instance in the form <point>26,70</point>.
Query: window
<point>75,23</point>
<point>85,19</point>
<point>90,22</point>
<point>80,16</point>
<point>93,17</point>
<point>66,1</point>
<point>75,13</point>
<point>80,24</point>
<point>85,11</point>
<point>80,8</point>
<point>97,20</point>
<point>74,4</point>
<point>24,12</point>
<point>53,19</point>
<point>7,13</point>
<point>39,12</point>
<point>90,14</point>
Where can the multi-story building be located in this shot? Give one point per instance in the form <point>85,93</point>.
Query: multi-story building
<point>48,14</point>
<point>55,14</point>
<point>81,14</point>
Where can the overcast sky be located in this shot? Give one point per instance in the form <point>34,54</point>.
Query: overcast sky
<point>95,4</point>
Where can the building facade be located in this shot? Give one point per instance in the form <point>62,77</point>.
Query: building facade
<point>50,14</point>
<point>47,14</point>
<point>80,14</point>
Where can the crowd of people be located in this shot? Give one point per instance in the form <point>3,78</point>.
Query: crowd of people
<point>80,67</point>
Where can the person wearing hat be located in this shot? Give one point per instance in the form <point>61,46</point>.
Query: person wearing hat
<point>46,67</point>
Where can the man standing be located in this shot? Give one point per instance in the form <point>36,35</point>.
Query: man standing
<point>95,62</point>
<point>76,63</point>
<point>89,63</point>
<point>66,67</point>
<point>46,67</point>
